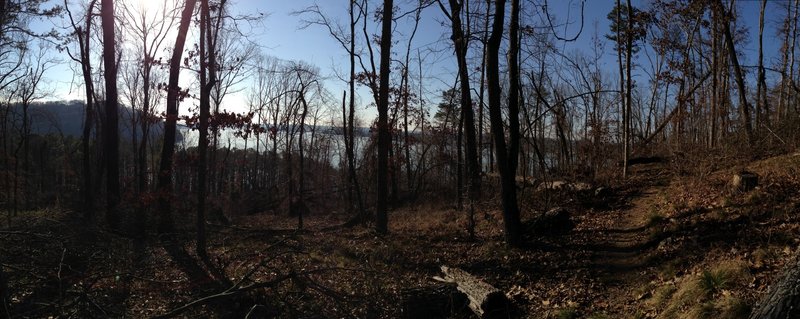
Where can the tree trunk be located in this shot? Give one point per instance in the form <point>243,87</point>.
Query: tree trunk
<point>779,113</point>
<point>301,177</point>
<point>406,92</point>
<point>628,88</point>
<point>792,97</point>
<point>111,129</point>
<point>384,137</point>
<point>206,82</point>
<point>762,117</point>
<point>481,88</point>
<point>346,178</point>
<point>712,136</point>
<point>84,38</point>
<point>506,156</point>
<point>744,107</point>
<point>782,300</point>
<point>461,44</point>
<point>351,157</point>
<point>170,126</point>
<point>622,91</point>
<point>460,163</point>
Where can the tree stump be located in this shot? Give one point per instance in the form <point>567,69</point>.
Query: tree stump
<point>745,181</point>
<point>783,297</point>
<point>485,300</point>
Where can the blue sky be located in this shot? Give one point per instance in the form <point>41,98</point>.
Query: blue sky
<point>279,35</point>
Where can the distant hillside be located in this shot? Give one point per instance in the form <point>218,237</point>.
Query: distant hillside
<point>66,117</point>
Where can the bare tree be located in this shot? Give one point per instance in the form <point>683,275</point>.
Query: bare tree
<point>384,137</point>
<point>461,44</point>
<point>207,65</point>
<point>148,27</point>
<point>28,89</point>
<point>762,103</point>
<point>174,95</point>
<point>628,88</point>
<point>506,155</point>
<point>111,127</point>
<point>305,78</point>
<point>346,37</point>
<point>744,107</point>
<point>82,35</point>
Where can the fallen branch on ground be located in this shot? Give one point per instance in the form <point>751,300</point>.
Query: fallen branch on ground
<point>485,300</point>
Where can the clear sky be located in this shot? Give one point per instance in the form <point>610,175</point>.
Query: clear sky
<point>280,35</point>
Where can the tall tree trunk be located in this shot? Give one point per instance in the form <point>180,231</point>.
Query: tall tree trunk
<point>460,163</point>
<point>461,44</point>
<point>384,137</point>
<point>84,38</point>
<point>744,107</point>
<point>346,178</point>
<point>351,157</point>
<point>622,92</point>
<point>301,175</point>
<point>782,94</point>
<point>506,156</point>
<point>628,88</point>
<point>421,160</point>
<point>111,129</point>
<point>206,83</point>
<point>795,93</point>
<point>482,87</point>
<point>173,97</point>
<point>762,109</point>
<point>712,137</point>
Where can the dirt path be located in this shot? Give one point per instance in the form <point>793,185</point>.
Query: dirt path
<point>623,241</point>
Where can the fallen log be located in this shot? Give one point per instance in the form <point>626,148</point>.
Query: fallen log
<point>642,160</point>
<point>783,297</point>
<point>485,300</point>
<point>563,185</point>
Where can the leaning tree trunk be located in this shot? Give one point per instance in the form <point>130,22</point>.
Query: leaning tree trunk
<point>783,298</point>
<point>744,107</point>
<point>170,126</point>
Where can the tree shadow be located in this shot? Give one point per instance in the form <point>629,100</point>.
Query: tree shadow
<point>200,279</point>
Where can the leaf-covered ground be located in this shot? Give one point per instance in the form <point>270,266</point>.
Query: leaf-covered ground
<point>667,243</point>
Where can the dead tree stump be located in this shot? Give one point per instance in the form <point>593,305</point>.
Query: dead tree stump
<point>485,300</point>
<point>783,297</point>
<point>745,181</point>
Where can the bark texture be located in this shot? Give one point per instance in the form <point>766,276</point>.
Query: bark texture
<point>782,301</point>
<point>485,300</point>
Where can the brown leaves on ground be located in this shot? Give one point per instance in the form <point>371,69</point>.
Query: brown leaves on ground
<point>660,245</point>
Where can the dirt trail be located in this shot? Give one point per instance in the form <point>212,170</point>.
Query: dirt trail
<point>624,239</point>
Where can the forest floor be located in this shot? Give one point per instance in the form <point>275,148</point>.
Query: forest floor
<point>666,243</point>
